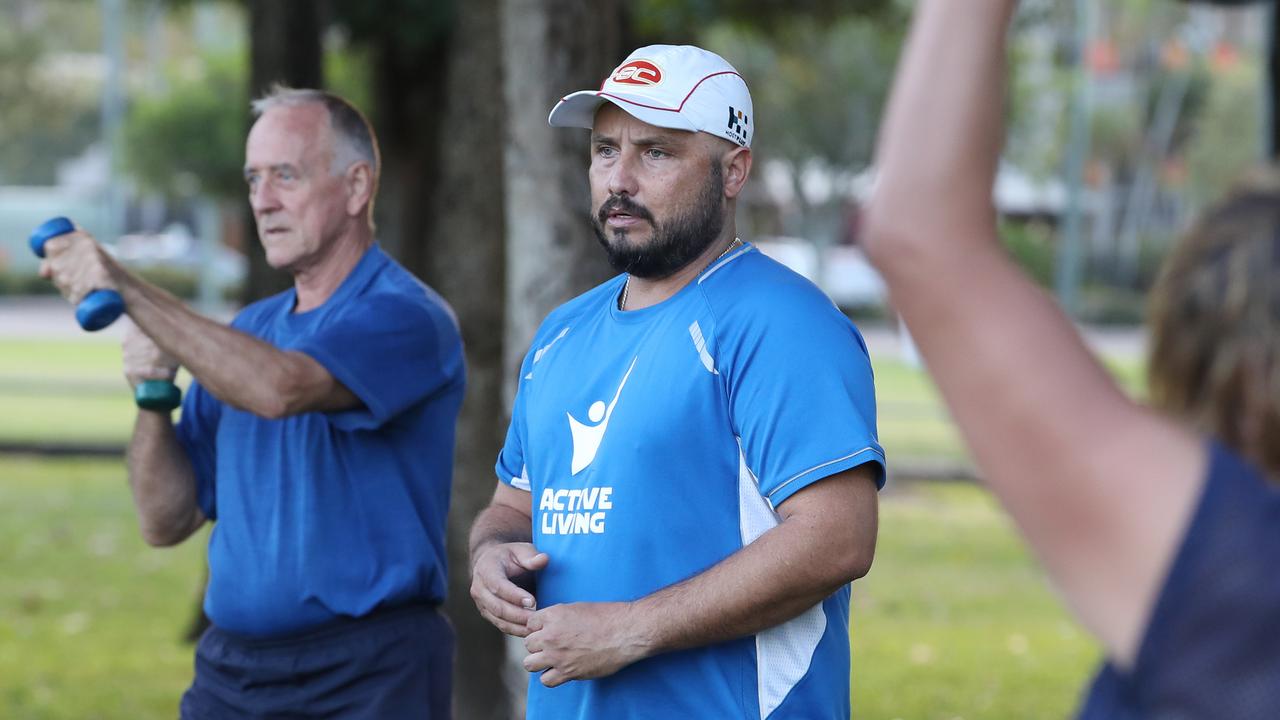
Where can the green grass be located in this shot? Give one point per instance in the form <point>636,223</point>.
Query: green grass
<point>90,617</point>
<point>955,620</point>
<point>64,391</point>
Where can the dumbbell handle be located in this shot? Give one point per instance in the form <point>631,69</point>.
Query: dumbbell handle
<point>99,308</point>
<point>159,395</point>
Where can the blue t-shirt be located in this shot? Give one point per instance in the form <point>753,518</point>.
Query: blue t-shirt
<point>323,515</point>
<point>1212,647</point>
<point>657,442</point>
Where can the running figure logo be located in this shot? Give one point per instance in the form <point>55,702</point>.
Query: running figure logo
<point>587,438</point>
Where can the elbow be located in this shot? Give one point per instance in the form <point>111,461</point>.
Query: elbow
<point>167,531</point>
<point>279,395</point>
<point>854,566</point>
<point>159,536</point>
<point>270,406</point>
<point>859,566</point>
<point>891,236</point>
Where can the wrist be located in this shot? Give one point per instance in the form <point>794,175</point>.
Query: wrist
<point>643,635</point>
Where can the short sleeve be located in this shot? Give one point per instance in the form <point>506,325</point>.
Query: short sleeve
<point>511,468</point>
<point>800,390</point>
<point>391,351</point>
<point>197,432</point>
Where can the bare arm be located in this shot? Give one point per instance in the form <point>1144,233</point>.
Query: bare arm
<point>239,369</point>
<point>503,560</point>
<point>1101,488</point>
<point>160,474</point>
<point>826,539</point>
<point>162,482</point>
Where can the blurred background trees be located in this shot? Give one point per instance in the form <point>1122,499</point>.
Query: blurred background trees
<point>489,205</point>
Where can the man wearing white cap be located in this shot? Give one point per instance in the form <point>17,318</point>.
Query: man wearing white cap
<point>688,484</point>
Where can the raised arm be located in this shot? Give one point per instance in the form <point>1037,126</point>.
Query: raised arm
<point>241,370</point>
<point>1101,488</point>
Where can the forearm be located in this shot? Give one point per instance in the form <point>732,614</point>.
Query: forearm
<point>237,368</point>
<point>162,481</point>
<point>943,126</point>
<point>497,525</point>
<point>786,571</point>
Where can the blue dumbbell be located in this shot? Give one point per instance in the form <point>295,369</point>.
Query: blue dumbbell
<point>99,309</point>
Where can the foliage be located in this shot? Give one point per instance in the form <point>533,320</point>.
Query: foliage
<point>46,113</point>
<point>817,87</point>
<point>1227,135</point>
<point>673,20</point>
<point>412,27</point>
<point>1032,246</point>
<point>190,139</point>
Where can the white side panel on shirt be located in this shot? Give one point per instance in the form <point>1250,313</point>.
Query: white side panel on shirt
<point>783,652</point>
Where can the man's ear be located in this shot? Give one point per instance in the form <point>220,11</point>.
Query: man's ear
<point>736,167</point>
<point>358,182</point>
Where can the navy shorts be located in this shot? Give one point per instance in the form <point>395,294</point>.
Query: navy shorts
<point>388,665</point>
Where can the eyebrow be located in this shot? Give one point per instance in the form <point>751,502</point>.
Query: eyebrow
<point>270,168</point>
<point>650,141</point>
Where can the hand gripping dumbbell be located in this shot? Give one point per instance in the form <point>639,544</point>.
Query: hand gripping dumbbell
<point>99,309</point>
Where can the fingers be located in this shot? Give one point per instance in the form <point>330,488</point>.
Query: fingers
<point>507,617</point>
<point>75,265</point>
<point>510,628</point>
<point>143,358</point>
<point>532,563</point>
<point>536,662</point>
<point>536,621</point>
<point>554,678</point>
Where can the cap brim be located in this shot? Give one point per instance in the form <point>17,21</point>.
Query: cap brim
<point>579,110</point>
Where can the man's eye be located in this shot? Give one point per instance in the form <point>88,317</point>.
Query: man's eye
<point>656,154</point>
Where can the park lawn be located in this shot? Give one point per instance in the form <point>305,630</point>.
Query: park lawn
<point>954,620</point>
<point>73,391</point>
<point>64,391</point>
<point>90,617</point>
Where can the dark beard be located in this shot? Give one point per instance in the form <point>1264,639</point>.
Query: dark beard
<point>675,243</point>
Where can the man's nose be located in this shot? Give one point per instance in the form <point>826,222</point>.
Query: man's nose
<point>622,176</point>
<point>263,198</point>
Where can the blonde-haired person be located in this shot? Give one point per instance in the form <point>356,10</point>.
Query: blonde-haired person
<point>1161,541</point>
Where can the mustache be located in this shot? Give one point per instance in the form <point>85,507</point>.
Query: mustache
<point>622,203</point>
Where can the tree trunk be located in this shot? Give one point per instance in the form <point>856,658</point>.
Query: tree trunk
<point>550,48</point>
<point>284,47</point>
<point>463,258</point>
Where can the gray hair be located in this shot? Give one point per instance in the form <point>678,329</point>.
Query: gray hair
<point>354,137</point>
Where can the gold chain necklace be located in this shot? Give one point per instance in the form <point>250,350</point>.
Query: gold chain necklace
<point>626,285</point>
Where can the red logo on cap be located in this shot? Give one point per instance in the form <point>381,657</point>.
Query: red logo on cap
<point>638,72</point>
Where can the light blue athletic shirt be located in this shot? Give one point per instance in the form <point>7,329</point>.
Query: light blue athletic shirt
<point>657,442</point>
<point>327,515</point>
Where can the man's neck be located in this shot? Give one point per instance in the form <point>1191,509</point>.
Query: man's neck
<point>643,293</point>
<point>316,283</point>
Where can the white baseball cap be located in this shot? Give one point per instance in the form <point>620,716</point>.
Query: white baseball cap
<point>672,86</point>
